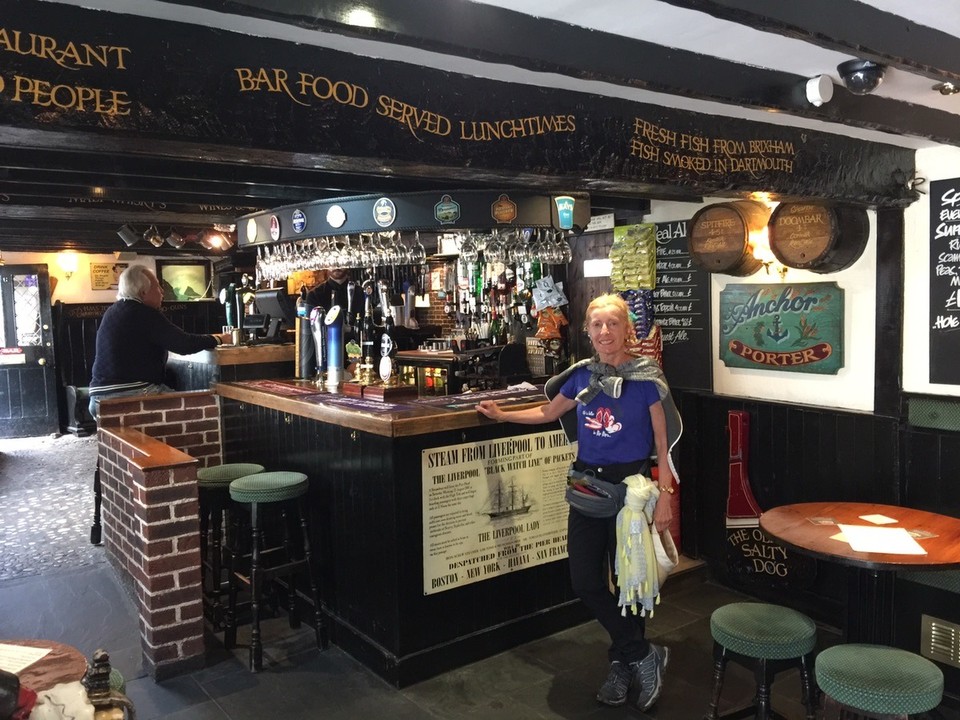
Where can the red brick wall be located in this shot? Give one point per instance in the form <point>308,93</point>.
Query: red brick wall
<point>187,421</point>
<point>434,314</point>
<point>150,448</point>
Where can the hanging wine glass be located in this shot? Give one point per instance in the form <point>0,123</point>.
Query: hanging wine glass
<point>418,253</point>
<point>496,250</point>
<point>468,248</point>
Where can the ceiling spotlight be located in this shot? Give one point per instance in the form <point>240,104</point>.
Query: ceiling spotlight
<point>216,240</point>
<point>153,236</point>
<point>947,88</point>
<point>861,77</point>
<point>819,90</point>
<point>175,239</point>
<point>128,235</point>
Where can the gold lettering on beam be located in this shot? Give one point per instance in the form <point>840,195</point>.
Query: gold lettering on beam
<point>414,118</point>
<point>514,128</point>
<point>71,56</point>
<point>41,93</point>
<point>701,154</point>
<point>273,80</point>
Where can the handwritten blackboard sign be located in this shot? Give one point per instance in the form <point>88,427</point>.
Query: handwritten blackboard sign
<point>945,281</point>
<point>681,306</point>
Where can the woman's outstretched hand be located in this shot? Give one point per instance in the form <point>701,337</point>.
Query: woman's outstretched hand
<point>490,409</point>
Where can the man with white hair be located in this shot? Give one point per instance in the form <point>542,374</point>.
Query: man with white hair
<point>134,338</point>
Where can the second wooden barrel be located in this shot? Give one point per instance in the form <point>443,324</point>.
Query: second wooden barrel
<point>819,237</point>
<point>720,236</point>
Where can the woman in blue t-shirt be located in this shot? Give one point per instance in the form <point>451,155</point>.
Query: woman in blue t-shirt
<point>620,423</point>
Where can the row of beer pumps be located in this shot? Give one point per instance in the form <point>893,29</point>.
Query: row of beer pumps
<point>341,331</point>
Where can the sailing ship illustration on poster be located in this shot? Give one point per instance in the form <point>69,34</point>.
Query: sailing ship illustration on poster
<point>507,499</point>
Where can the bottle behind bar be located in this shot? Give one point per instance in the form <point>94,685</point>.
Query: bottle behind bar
<point>369,334</point>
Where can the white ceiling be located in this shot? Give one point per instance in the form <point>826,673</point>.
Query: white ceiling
<point>684,29</point>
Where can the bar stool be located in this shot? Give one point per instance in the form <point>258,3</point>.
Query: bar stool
<point>877,681</point>
<point>768,639</point>
<point>213,490</point>
<point>262,492</point>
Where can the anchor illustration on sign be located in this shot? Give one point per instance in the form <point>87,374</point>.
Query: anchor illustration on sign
<point>777,333</point>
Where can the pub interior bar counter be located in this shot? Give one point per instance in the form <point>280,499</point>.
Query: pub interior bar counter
<point>807,528</point>
<point>421,511</point>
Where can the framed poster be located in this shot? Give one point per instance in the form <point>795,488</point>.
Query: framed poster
<point>184,279</point>
<point>792,328</point>
<point>106,276</point>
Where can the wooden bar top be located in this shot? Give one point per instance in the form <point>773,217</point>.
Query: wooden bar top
<point>240,355</point>
<point>390,419</point>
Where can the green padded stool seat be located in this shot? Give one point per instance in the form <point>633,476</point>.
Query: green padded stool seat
<point>213,492</point>
<point>226,473</point>
<point>267,487</point>
<point>767,639</point>
<point>262,493</point>
<point>879,680</point>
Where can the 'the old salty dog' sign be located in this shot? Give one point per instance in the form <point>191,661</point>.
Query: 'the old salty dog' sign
<point>795,328</point>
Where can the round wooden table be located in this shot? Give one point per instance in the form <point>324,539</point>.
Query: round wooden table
<point>871,575</point>
<point>63,664</point>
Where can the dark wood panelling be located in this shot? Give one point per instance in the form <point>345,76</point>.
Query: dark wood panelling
<point>889,313</point>
<point>797,454</point>
<point>365,513</point>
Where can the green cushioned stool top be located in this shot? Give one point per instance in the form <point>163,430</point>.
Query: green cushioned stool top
<point>878,679</point>
<point>760,630</point>
<point>268,487</point>
<point>226,473</point>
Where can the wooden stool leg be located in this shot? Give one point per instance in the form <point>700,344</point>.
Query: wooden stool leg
<point>96,530</point>
<point>256,644</point>
<point>216,562</point>
<point>293,616</point>
<point>764,680</point>
<point>719,668</point>
<point>230,617</point>
<point>807,686</point>
<point>320,623</point>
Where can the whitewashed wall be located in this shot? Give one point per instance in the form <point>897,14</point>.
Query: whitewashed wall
<point>939,163</point>
<point>851,388</point>
<point>76,289</point>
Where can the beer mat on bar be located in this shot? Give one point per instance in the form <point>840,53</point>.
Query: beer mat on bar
<point>468,400</point>
<point>359,404</point>
<point>281,388</point>
<point>878,519</point>
<point>919,534</point>
<point>896,541</point>
<point>819,520</point>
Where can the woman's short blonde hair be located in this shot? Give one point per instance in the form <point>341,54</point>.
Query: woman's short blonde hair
<point>612,301</point>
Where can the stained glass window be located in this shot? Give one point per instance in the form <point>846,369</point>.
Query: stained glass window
<point>26,309</point>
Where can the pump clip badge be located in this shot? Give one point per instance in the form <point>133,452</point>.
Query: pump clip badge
<point>384,212</point>
<point>447,211</point>
<point>504,210</point>
<point>299,221</point>
<point>565,205</point>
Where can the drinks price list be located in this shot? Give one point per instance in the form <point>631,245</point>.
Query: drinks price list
<point>945,281</point>
<point>681,306</point>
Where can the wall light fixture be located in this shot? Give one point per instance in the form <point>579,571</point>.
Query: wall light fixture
<point>69,261</point>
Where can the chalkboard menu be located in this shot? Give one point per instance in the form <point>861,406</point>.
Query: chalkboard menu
<point>681,306</point>
<point>944,281</point>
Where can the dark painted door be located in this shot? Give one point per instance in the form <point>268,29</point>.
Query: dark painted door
<point>28,390</point>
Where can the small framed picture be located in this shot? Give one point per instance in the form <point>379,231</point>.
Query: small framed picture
<point>184,279</point>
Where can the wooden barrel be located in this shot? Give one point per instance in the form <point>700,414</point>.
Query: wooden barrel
<point>719,236</point>
<point>818,237</point>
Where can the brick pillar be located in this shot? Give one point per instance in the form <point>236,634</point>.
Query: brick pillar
<point>150,448</point>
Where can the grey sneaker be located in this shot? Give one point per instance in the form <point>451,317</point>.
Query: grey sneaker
<point>616,687</point>
<point>650,672</point>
